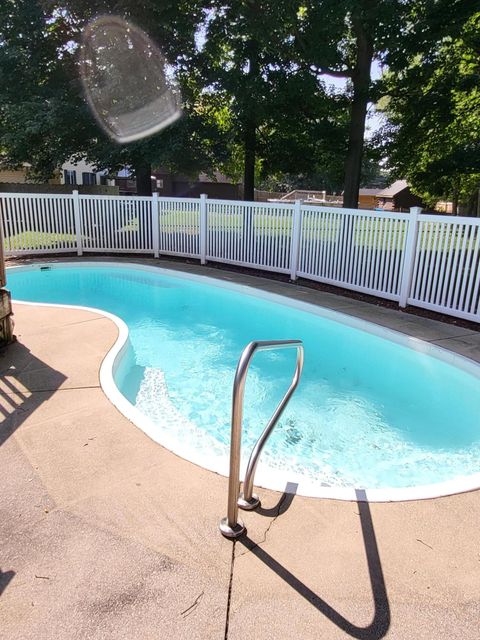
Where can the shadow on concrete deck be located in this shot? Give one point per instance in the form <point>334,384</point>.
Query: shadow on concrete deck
<point>283,503</point>
<point>25,383</point>
<point>5,578</point>
<point>380,624</point>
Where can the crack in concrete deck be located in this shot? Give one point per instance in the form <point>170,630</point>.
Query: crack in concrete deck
<point>270,525</point>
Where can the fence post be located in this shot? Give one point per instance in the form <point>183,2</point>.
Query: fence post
<point>155,226</point>
<point>409,261</point>
<point>77,221</point>
<point>296,235</point>
<point>203,228</point>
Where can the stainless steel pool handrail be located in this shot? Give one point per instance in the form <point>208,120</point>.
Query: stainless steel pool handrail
<point>231,526</point>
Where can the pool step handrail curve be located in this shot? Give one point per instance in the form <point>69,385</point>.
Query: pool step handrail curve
<point>230,526</point>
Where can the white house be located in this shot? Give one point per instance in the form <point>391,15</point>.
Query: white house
<point>81,172</point>
<point>73,173</point>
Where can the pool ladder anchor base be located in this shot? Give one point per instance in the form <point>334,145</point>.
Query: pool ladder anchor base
<point>248,504</point>
<point>231,527</point>
<point>232,532</point>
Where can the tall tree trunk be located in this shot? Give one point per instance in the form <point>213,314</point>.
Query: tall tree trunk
<point>249,143</point>
<point>143,173</point>
<point>473,204</point>
<point>249,116</point>
<point>358,112</point>
<point>455,195</point>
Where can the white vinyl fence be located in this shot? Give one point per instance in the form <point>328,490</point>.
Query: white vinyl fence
<point>178,226</point>
<point>115,224</point>
<point>425,260</point>
<point>446,269</point>
<point>250,234</point>
<point>359,250</point>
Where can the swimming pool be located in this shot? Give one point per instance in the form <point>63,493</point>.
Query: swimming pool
<point>374,409</point>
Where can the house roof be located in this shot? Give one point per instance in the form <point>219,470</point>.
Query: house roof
<point>217,177</point>
<point>393,189</point>
<point>369,192</point>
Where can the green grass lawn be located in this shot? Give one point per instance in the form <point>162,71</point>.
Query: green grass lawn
<point>367,233</point>
<point>364,231</point>
<point>37,240</point>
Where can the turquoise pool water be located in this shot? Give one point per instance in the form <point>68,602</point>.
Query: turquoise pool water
<point>368,412</point>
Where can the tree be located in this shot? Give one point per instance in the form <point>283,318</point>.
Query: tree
<point>433,105</point>
<point>253,83</point>
<point>186,146</point>
<point>341,38</point>
<point>279,114</point>
<point>364,16</point>
<point>43,116</point>
<point>39,104</point>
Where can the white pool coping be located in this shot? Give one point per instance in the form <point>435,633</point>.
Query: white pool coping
<point>267,478</point>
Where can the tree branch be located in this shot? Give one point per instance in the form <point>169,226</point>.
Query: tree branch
<point>347,73</point>
<point>321,71</point>
<point>335,74</point>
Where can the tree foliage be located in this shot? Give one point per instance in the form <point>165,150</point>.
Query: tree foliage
<point>47,121</point>
<point>280,115</point>
<point>43,119</point>
<point>256,98</point>
<point>433,103</point>
<point>341,38</point>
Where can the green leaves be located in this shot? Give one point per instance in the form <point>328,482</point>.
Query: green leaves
<point>434,105</point>
<point>43,116</point>
<point>253,79</point>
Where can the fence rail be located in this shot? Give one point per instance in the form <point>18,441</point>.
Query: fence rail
<point>429,261</point>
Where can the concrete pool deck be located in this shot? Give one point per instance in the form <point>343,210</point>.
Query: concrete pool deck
<point>106,534</point>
